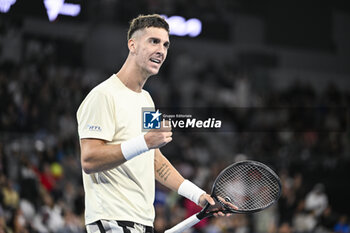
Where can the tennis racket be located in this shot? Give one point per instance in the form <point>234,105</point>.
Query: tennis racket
<point>243,187</point>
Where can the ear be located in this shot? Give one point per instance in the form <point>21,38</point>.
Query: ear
<point>132,45</point>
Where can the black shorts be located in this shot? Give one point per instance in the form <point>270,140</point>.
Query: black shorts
<point>109,226</point>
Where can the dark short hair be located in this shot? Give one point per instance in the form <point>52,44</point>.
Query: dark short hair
<point>145,21</point>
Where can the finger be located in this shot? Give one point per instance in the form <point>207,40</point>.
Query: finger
<point>204,199</point>
<point>168,134</point>
<point>169,139</point>
<point>232,205</point>
<point>209,199</point>
<point>229,204</point>
<point>165,125</point>
<point>221,214</point>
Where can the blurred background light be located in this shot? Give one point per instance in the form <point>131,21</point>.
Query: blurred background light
<point>179,26</point>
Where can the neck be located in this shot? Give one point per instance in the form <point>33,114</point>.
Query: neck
<point>131,76</point>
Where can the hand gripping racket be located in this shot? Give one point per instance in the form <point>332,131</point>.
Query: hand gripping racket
<point>243,187</point>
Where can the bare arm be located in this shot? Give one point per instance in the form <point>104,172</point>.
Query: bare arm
<point>168,176</point>
<point>165,172</point>
<point>97,155</point>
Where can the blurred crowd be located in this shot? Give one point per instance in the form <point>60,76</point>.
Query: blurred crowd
<point>40,173</point>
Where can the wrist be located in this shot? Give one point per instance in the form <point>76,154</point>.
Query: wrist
<point>190,191</point>
<point>134,147</point>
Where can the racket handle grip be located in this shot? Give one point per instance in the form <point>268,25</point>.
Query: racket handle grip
<point>185,224</point>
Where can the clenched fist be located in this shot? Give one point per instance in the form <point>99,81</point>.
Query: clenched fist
<point>156,138</point>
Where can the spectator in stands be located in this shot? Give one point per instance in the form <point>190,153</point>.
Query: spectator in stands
<point>343,225</point>
<point>316,200</point>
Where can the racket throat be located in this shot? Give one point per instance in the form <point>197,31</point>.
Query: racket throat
<point>204,212</point>
<point>201,215</point>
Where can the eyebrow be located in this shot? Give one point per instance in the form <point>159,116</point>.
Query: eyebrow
<point>166,43</point>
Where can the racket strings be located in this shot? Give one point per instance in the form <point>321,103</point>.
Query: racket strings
<point>250,192</point>
<point>247,186</point>
<point>259,190</point>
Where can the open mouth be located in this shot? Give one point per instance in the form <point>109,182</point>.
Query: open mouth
<point>157,61</point>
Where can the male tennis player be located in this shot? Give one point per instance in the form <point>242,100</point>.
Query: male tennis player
<point>119,162</point>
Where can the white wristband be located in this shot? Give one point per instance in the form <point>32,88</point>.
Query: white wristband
<point>134,147</point>
<point>190,191</point>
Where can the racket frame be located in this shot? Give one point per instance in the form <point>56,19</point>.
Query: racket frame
<point>195,218</point>
<point>203,213</point>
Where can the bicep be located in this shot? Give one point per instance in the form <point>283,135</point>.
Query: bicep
<point>97,155</point>
<point>87,148</point>
<point>87,144</point>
